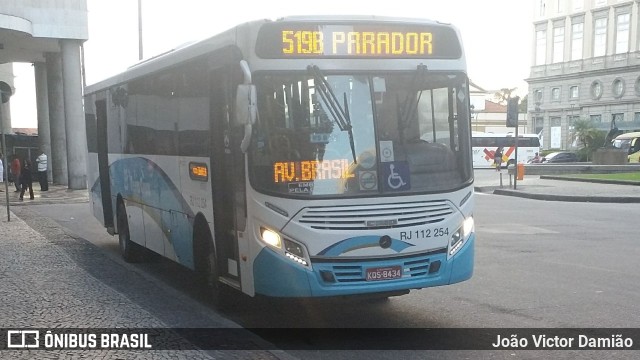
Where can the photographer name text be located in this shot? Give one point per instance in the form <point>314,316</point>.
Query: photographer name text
<point>559,342</point>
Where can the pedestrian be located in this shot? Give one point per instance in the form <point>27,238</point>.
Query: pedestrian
<point>497,158</point>
<point>26,179</point>
<point>536,159</point>
<point>42,171</point>
<point>15,171</point>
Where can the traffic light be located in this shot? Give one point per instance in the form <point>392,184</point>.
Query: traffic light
<point>512,111</point>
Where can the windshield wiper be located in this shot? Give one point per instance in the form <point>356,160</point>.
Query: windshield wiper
<point>410,103</point>
<point>339,114</point>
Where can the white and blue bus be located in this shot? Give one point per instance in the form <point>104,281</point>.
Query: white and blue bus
<point>303,157</point>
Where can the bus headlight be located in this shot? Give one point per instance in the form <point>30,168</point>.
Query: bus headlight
<point>461,235</point>
<point>295,252</point>
<point>292,250</point>
<point>467,226</point>
<point>271,237</point>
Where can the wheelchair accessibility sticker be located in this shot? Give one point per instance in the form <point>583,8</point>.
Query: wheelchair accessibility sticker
<point>395,176</point>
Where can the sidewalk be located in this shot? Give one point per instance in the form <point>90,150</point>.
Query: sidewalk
<point>50,279</point>
<point>558,188</point>
<point>55,195</point>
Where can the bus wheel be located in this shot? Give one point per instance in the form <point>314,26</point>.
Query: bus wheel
<point>130,251</point>
<point>214,287</point>
<point>208,268</point>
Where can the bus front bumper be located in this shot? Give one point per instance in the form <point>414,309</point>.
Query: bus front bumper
<point>277,276</point>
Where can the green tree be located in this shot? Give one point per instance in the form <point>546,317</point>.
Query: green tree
<point>522,107</point>
<point>503,95</point>
<point>588,136</point>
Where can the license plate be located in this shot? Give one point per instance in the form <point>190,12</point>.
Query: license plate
<point>384,273</point>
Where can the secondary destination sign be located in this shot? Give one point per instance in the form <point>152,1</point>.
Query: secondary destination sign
<point>362,40</point>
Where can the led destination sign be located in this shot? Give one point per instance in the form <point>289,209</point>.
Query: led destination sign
<point>293,171</point>
<point>357,43</point>
<point>306,40</point>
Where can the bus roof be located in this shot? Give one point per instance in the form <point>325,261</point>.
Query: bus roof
<point>230,37</point>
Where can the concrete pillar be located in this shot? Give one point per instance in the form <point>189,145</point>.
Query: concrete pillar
<point>42,105</point>
<point>6,75</point>
<point>74,112</point>
<point>56,119</point>
<point>6,118</point>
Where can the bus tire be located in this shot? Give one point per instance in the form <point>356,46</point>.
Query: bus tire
<point>206,265</point>
<point>130,251</point>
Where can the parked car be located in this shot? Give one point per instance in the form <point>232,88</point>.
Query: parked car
<point>560,157</point>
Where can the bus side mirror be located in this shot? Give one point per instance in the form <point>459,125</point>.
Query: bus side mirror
<point>246,108</point>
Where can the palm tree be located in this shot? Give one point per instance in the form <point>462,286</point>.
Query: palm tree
<point>587,135</point>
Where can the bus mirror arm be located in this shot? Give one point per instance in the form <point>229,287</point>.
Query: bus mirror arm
<point>245,71</point>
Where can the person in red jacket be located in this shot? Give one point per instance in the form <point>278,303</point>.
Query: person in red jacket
<point>15,172</point>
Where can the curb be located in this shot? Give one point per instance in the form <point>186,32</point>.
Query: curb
<point>485,189</point>
<point>597,181</point>
<point>568,198</point>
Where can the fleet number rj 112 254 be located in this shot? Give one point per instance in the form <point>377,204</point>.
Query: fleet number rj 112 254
<point>424,233</point>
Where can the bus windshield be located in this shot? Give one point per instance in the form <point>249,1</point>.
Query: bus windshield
<point>623,144</point>
<point>322,134</point>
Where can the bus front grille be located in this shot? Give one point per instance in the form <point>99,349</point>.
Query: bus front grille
<point>367,217</point>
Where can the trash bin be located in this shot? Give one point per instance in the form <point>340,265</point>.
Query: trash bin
<point>520,171</point>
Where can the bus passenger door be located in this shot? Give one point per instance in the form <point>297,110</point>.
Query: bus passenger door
<point>227,175</point>
<point>103,164</point>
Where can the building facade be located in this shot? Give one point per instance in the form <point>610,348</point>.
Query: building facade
<point>585,65</point>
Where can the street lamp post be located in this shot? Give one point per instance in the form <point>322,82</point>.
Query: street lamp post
<point>140,30</point>
<point>536,117</point>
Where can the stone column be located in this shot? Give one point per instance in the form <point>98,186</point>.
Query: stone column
<point>6,118</point>
<point>56,119</point>
<point>75,124</point>
<point>42,105</point>
<point>6,75</point>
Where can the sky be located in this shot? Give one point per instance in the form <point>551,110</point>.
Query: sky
<point>496,34</point>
